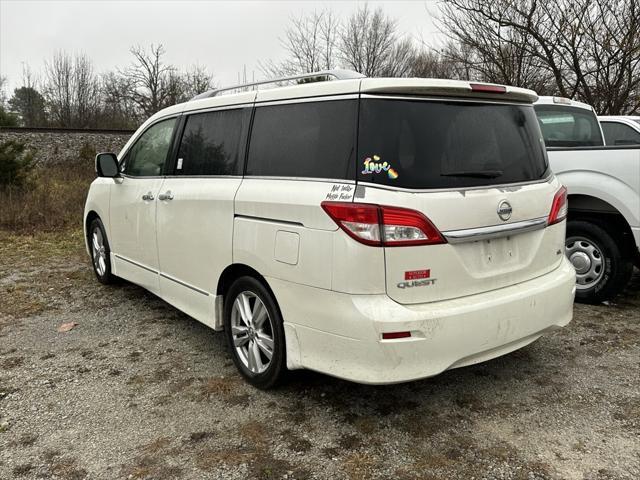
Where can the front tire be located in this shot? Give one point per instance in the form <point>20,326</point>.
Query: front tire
<point>253,327</point>
<point>602,270</point>
<point>100,252</point>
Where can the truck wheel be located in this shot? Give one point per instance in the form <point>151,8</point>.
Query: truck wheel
<point>602,270</point>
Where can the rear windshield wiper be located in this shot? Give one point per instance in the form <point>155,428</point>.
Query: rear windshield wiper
<point>474,174</point>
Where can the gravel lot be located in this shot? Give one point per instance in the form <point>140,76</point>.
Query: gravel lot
<point>140,390</point>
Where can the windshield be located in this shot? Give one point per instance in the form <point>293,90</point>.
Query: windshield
<point>448,144</point>
<point>564,126</point>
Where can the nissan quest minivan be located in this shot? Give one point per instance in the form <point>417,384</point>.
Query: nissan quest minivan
<point>378,230</point>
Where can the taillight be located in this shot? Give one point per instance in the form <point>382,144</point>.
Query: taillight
<point>380,225</point>
<point>559,207</point>
<point>487,88</point>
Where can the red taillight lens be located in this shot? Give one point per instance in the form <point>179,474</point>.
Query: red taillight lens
<point>483,87</point>
<point>395,335</point>
<point>380,225</point>
<point>559,207</point>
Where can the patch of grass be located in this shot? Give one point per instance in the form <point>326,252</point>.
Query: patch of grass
<point>12,362</point>
<point>359,466</point>
<point>25,440</point>
<point>254,432</point>
<point>22,469</point>
<point>211,458</point>
<point>67,469</point>
<point>217,386</point>
<point>197,437</point>
<point>52,201</point>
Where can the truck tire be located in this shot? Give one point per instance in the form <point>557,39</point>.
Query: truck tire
<point>602,268</point>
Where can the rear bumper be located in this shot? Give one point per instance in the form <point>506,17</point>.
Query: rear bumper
<point>341,334</point>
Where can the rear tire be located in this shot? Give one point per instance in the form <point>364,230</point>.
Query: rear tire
<point>254,332</point>
<point>602,269</point>
<point>100,252</point>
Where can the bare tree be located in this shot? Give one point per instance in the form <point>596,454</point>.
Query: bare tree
<point>367,42</point>
<point>432,63</point>
<point>197,80</point>
<point>118,108</point>
<point>310,42</point>
<point>150,78</point>
<point>3,93</point>
<point>72,90</point>
<point>589,49</point>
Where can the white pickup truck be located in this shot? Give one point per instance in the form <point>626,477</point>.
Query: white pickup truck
<point>603,182</point>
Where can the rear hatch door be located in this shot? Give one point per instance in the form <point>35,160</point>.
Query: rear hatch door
<point>477,169</point>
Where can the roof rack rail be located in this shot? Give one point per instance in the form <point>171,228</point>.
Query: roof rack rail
<point>328,74</point>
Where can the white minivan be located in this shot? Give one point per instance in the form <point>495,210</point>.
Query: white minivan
<point>379,230</point>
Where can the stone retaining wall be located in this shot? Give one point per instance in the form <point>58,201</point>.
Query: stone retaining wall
<point>54,146</point>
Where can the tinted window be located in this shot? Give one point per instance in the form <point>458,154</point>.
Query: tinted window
<point>212,144</point>
<point>148,155</point>
<point>568,126</point>
<point>620,134</point>
<point>304,140</point>
<point>422,144</point>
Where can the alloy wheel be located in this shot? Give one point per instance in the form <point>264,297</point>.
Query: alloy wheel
<point>252,332</point>
<point>98,251</point>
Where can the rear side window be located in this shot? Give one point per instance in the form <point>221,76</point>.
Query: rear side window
<point>620,134</point>
<point>314,139</point>
<point>448,144</point>
<point>212,144</point>
<point>568,126</point>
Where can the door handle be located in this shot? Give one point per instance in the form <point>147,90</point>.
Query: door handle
<point>166,196</point>
<point>147,197</point>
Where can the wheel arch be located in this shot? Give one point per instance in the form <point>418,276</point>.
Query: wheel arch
<point>90,217</point>
<point>596,210</point>
<point>236,270</point>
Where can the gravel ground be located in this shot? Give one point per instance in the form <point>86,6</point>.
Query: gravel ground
<point>140,390</point>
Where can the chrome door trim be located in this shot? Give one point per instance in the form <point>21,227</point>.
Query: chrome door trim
<point>268,220</point>
<point>120,257</point>
<point>494,231</point>
<point>191,287</point>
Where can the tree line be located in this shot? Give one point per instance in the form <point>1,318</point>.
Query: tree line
<point>587,50</point>
<point>72,95</point>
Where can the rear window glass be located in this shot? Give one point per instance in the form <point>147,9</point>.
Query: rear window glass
<point>212,144</point>
<point>620,134</point>
<point>433,144</point>
<point>315,139</point>
<point>564,126</point>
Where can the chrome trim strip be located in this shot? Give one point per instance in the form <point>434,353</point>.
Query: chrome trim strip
<point>133,177</point>
<point>300,179</point>
<point>237,177</point>
<point>494,231</point>
<point>311,99</point>
<point>270,220</point>
<point>135,263</point>
<point>232,106</point>
<point>453,98</point>
<point>164,275</point>
<point>546,179</point>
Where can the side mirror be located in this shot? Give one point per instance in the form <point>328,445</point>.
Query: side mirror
<point>107,165</point>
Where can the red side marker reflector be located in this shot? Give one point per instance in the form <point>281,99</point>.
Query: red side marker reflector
<point>483,87</point>
<point>394,335</point>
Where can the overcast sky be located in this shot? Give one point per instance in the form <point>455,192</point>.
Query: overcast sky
<point>221,35</point>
